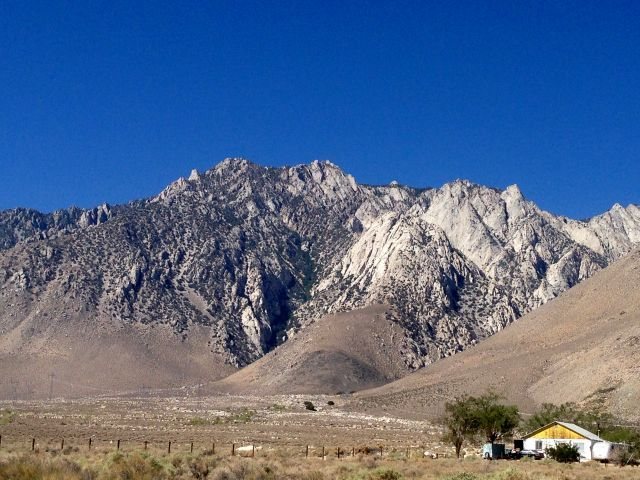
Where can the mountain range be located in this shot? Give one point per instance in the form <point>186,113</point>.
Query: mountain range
<point>225,266</point>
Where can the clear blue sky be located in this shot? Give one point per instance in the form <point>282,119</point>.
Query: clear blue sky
<point>110,101</point>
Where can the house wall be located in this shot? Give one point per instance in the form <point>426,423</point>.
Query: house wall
<point>558,431</point>
<point>584,445</point>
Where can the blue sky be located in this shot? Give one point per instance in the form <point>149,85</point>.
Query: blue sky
<point>110,101</point>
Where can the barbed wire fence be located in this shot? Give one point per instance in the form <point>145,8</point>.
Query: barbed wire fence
<point>240,448</point>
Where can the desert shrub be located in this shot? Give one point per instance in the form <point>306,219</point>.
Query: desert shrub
<point>379,474</point>
<point>461,476</point>
<point>199,468</point>
<point>510,474</point>
<point>564,453</point>
<point>198,421</point>
<point>386,474</point>
<point>134,466</point>
<point>627,457</point>
<point>223,474</point>
<point>29,468</point>
<point>266,472</point>
<point>6,416</point>
<point>309,406</point>
<point>68,450</point>
<point>246,470</point>
<point>367,462</point>
<point>245,415</point>
<point>314,475</point>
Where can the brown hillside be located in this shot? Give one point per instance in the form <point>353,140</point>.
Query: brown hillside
<point>583,346</point>
<point>339,353</point>
<point>98,357</point>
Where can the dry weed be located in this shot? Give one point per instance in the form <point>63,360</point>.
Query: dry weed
<point>145,466</point>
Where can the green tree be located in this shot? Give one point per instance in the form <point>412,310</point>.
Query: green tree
<point>469,416</point>
<point>460,422</point>
<point>568,412</point>
<point>494,419</point>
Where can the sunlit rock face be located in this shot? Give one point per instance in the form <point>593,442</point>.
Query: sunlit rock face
<point>253,254</point>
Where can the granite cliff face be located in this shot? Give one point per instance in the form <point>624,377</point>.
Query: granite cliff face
<point>247,255</point>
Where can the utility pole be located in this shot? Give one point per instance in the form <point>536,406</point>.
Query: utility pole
<point>14,388</point>
<point>51,377</point>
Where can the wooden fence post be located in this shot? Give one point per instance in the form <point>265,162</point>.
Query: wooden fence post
<point>145,444</point>
<point>380,451</point>
<point>213,448</point>
<point>118,447</point>
<point>323,452</point>
<point>338,453</point>
<point>89,443</point>
<point>253,450</point>
<point>33,444</point>
<point>353,451</point>
<point>169,450</point>
<point>306,455</point>
<point>233,449</point>
<point>62,444</point>
<point>191,447</point>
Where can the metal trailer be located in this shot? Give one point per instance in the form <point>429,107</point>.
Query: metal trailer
<point>607,451</point>
<point>493,451</point>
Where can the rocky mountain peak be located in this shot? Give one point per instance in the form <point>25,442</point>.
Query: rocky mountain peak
<point>513,191</point>
<point>234,162</point>
<point>194,176</point>
<point>322,177</point>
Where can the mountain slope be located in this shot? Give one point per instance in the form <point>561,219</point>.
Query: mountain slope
<point>583,346</point>
<point>338,353</point>
<point>234,261</point>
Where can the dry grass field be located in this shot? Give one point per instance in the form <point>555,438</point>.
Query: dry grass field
<point>279,464</point>
<point>280,428</point>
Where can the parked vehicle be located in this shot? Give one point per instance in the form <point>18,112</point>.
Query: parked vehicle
<point>496,451</point>
<point>535,454</point>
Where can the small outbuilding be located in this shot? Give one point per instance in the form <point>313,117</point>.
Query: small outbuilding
<point>590,445</point>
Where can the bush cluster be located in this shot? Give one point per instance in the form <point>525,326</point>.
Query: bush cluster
<point>564,453</point>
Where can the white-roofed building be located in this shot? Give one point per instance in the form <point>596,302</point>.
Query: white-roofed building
<point>590,445</point>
